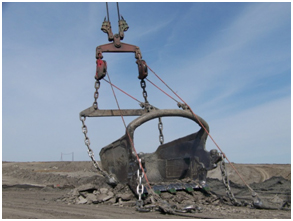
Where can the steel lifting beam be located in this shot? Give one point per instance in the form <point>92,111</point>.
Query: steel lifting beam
<point>92,112</point>
<point>112,47</point>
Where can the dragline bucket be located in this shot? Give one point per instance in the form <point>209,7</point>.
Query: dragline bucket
<point>181,164</point>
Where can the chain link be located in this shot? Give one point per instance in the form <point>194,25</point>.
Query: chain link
<point>140,186</point>
<point>139,191</point>
<point>144,93</point>
<point>155,198</point>
<point>87,142</point>
<point>96,94</point>
<point>160,127</point>
<point>227,183</point>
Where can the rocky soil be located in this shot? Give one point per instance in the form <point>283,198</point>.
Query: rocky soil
<point>77,190</point>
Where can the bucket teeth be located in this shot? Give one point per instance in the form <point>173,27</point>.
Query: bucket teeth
<point>172,188</point>
<point>189,189</point>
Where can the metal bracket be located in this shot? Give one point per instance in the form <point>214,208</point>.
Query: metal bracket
<point>112,47</point>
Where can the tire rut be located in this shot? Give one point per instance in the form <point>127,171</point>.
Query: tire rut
<point>263,172</point>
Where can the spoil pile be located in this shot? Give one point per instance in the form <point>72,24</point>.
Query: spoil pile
<point>94,194</point>
<point>195,201</point>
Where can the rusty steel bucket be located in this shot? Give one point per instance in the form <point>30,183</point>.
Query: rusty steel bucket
<point>172,162</point>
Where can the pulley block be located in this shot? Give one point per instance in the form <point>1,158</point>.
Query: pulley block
<point>142,69</point>
<point>106,28</point>
<point>101,69</point>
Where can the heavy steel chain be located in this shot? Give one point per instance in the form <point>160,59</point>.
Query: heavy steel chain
<point>140,186</point>
<point>227,183</point>
<point>87,142</point>
<point>160,127</point>
<point>144,93</point>
<point>139,191</point>
<point>96,94</point>
<point>156,200</point>
<point>160,124</point>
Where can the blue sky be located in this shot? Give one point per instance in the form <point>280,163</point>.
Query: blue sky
<point>231,62</point>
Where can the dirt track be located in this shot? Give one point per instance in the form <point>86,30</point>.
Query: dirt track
<point>254,172</point>
<point>42,190</point>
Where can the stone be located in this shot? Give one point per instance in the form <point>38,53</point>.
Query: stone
<point>83,194</point>
<point>81,200</point>
<point>107,198</point>
<point>128,203</point>
<point>166,195</point>
<point>91,198</point>
<point>103,190</point>
<point>125,196</point>
<point>119,187</point>
<point>110,193</point>
<point>86,187</point>
<point>187,202</point>
<point>112,200</point>
<point>75,192</point>
<point>103,197</point>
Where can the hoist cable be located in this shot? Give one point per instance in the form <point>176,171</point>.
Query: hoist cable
<point>118,12</point>
<point>107,11</point>
<point>130,139</point>
<point>224,155</point>
<point>162,90</point>
<point>123,91</point>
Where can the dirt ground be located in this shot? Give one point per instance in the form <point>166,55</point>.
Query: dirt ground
<point>65,190</point>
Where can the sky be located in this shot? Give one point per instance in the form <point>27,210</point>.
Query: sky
<point>230,62</point>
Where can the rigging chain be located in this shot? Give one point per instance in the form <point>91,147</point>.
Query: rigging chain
<point>144,92</point>
<point>227,183</point>
<point>111,180</point>
<point>160,127</point>
<point>147,106</point>
<point>96,94</point>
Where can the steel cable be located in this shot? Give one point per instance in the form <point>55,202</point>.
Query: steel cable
<point>122,91</point>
